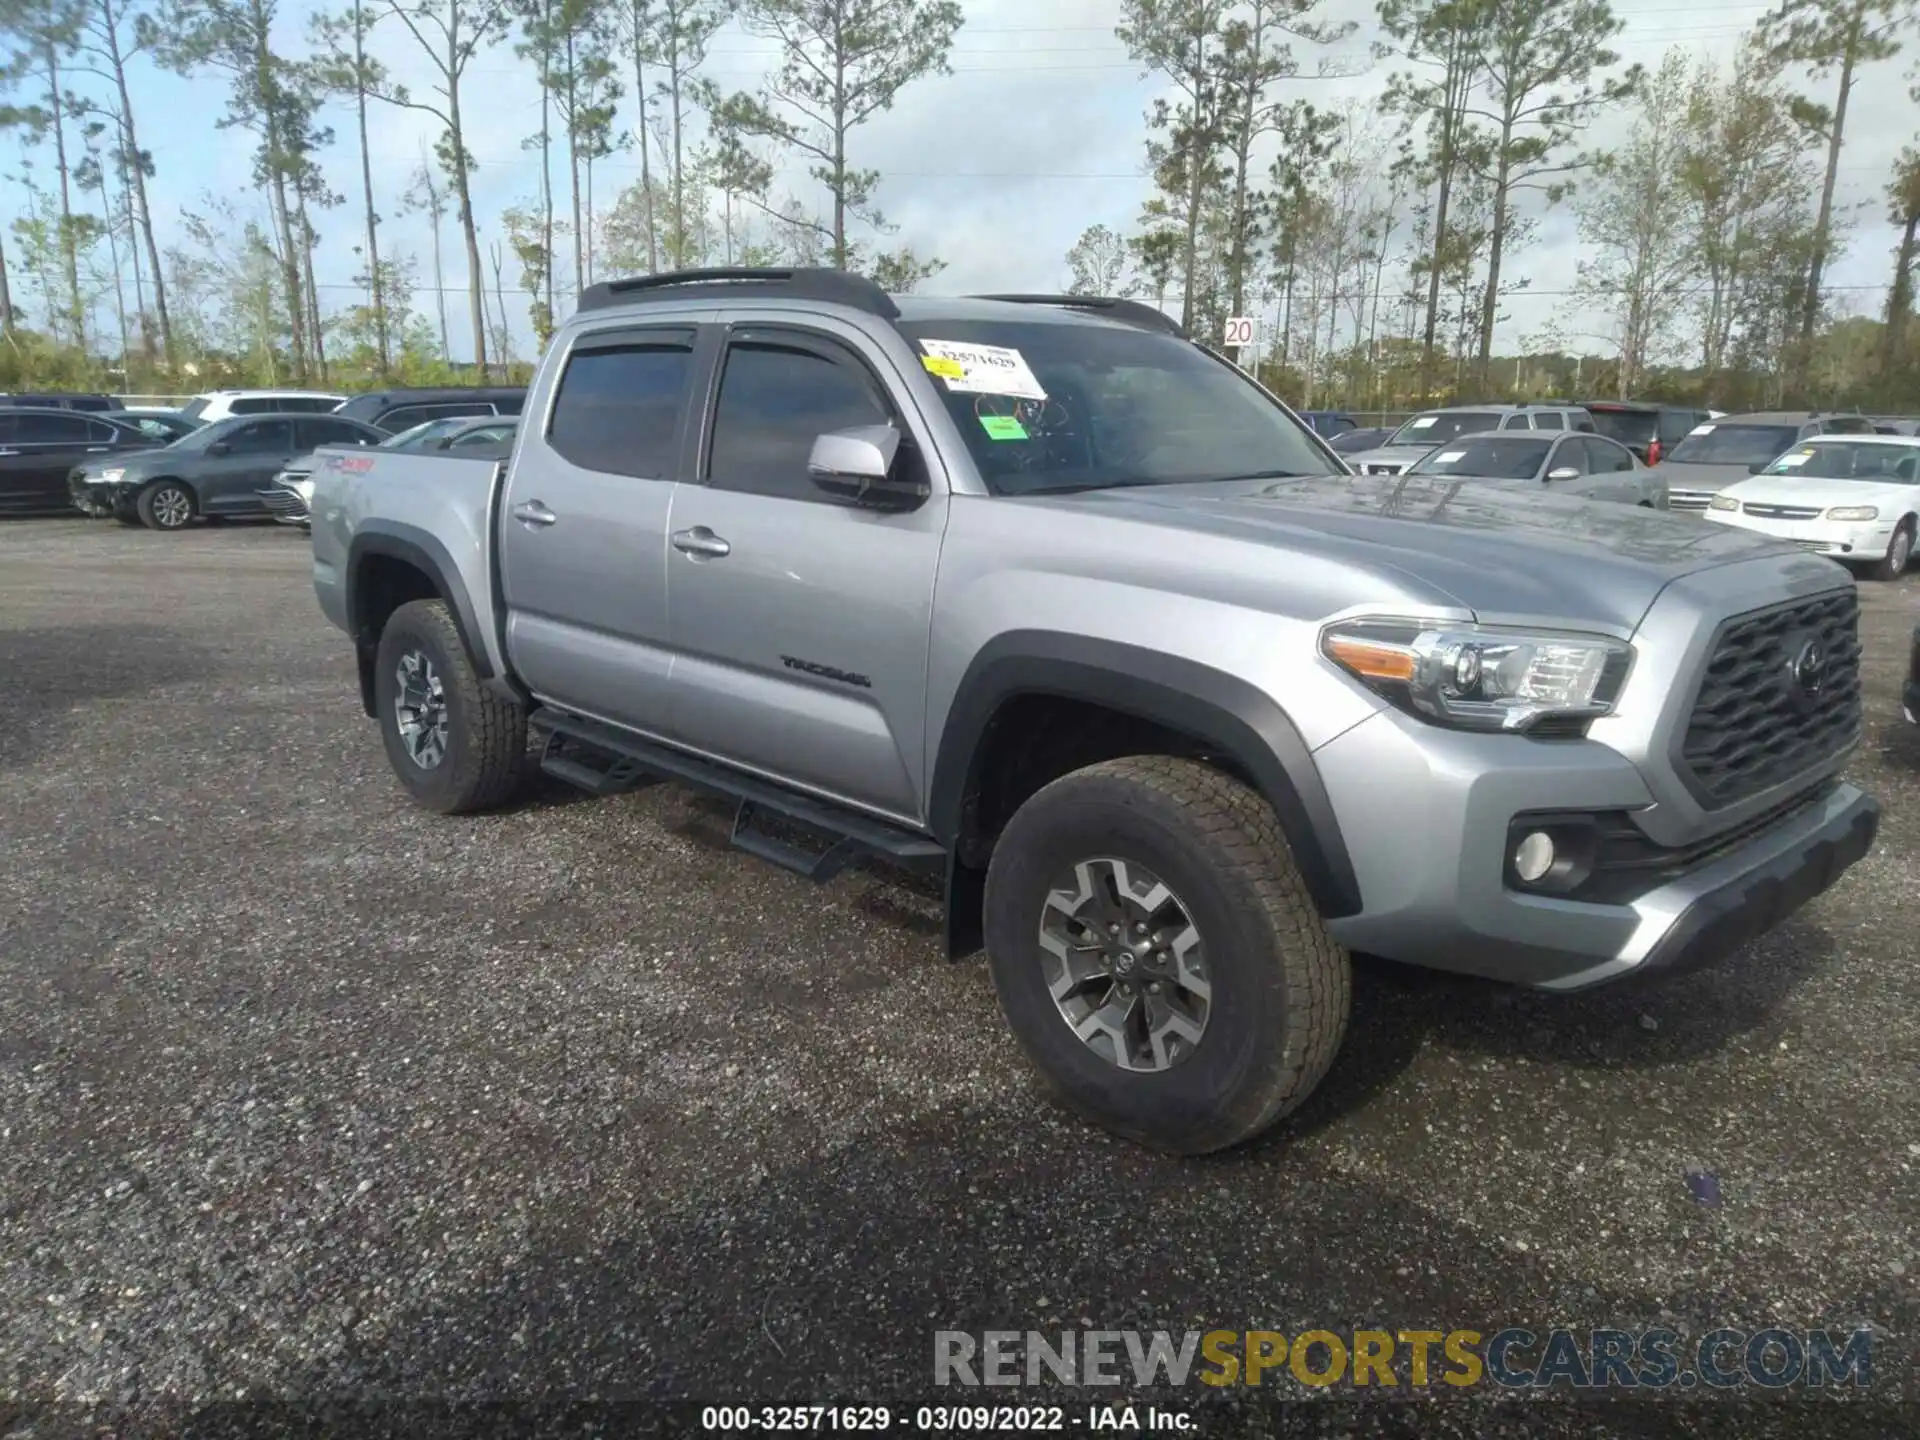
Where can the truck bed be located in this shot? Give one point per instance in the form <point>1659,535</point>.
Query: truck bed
<point>370,502</point>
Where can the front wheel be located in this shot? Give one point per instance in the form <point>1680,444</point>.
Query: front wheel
<point>1158,957</point>
<point>455,745</point>
<point>167,505</point>
<point>1899,551</point>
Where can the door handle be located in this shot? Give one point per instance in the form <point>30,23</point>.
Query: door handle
<point>534,515</point>
<point>701,543</point>
<point>9,452</point>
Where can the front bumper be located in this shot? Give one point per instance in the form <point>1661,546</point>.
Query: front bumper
<point>95,497</point>
<point>286,505</point>
<point>1425,814</point>
<point>1843,541</point>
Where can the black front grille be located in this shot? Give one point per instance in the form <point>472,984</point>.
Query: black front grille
<point>1755,721</point>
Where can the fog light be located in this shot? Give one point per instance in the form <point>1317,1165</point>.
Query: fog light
<point>1533,857</point>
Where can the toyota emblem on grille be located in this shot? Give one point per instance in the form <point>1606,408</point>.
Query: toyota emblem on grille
<point>1810,668</point>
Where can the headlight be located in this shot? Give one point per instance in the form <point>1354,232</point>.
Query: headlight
<point>1479,678</point>
<point>304,489</point>
<point>1854,512</point>
<point>1723,502</point>
<point>109,476</point>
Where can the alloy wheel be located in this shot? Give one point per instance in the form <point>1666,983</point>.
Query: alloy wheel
<point>1125,964</point>
<point>420,710</point>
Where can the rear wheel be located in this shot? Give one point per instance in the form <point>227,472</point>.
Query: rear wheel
<point>1157,955</point>
<point>166,505</point>
<point>1899,551</point>
<point>455,745</point>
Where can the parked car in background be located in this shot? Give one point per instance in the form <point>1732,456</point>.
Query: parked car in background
<point>215,473</point>
<point>1895,425</point>
<point>1589,466</point>
<point>397,410</point>
<point>1855,498</point>
<point>1328,423</point>
<point>1352,442</point>
<point>1646,428</point>
<point>60,400</point>
<point>1725,451</point>
<point>1434,427</point>
<point>289,499</point>
<point>220,404</point>
<point>162,427</point>
<point>39,447</point>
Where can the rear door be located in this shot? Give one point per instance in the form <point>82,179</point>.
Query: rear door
<point>583,533</point>
<point>48,446</point>
<point>19,490</point>
<point>800,622</point>
<point>230,483</point>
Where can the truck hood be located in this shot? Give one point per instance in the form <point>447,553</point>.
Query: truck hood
<point>1710,479</point>
<point>1516,555</point>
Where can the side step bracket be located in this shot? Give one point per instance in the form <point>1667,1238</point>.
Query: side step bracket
<point>605,761</point>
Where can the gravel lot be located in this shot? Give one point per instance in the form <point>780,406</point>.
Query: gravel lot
<point>306,1094</point>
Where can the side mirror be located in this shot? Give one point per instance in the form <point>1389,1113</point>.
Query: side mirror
<point>219,447</point>
<point>856,465</point>
<point>1564,472</point>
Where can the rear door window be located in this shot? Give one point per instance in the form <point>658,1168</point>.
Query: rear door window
<point>1549,420</point>
<point>620,400</point>
<point>54,430</point>
<point>317,432</point>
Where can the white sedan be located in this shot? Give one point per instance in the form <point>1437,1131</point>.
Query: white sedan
<point>1853,497</point>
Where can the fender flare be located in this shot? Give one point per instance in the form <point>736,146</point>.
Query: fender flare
<point>430,557</point>
<point>1220,710</point>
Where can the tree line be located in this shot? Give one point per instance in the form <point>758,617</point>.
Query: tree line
<point>1384,243</point>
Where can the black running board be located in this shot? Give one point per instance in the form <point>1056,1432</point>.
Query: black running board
<point>605,761</point>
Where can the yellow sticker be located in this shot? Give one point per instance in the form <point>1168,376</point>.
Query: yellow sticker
<point>946,369</point>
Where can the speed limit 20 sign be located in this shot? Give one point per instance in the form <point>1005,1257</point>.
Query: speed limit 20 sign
<point>1240,330</point>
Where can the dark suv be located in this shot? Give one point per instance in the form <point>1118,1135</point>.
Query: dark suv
<point>1648,430</point>
<point>397,410</point>
<point>60,400</point>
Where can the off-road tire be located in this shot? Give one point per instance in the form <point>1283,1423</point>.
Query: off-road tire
<point>151,516</point>
<point>1901,540</point>
<point>485,760</point>
<point>1281,985</point>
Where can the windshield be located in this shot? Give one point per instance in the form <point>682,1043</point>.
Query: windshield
<point>1498,457</point>
<point>1121,407</point>
<point>1629,427</point>
<point>423,432</point>
<point>1722,444</point>
<point>1837,460</point>
<point>1438,428</point>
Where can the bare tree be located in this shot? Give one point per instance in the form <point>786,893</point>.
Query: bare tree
<point>1098,262</point>
<point>1635,220</point>
<point>449,33</point>
<point>842,62</point>
<point>346,68</point>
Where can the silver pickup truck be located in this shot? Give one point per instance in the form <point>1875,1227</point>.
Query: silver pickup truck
<point>1037,595</point>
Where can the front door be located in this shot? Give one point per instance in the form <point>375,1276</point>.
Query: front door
<point>255,452</point>
<point>583,533</point>
<point>45,446</point>
<point>800,622</point>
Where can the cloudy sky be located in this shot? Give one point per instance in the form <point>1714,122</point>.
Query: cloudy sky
<point>996,168</point>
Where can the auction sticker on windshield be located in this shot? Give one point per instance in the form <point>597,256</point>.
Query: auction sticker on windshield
<point>984,369</point>
<point>1799,457</point>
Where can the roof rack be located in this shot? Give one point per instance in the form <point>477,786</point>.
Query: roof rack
<point>1128,312</point>
<point>837,287</point>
